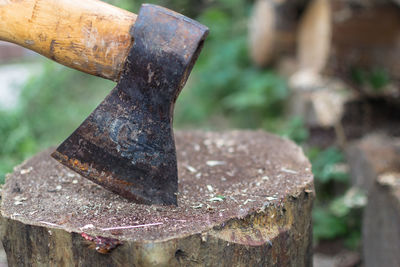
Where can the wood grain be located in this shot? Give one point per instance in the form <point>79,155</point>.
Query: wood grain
<point>90,36</point>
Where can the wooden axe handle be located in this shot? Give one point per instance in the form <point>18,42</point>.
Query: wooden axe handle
<point>87,35</point>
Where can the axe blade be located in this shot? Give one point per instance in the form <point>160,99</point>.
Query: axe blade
<point>127,143</point>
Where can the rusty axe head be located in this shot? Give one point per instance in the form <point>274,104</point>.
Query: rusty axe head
<point>127,143</point>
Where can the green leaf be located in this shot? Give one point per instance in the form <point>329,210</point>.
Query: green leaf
<point>378,79</point>
<point>339,208</point>
<point>295,130</point>
<point>327,225</point>
<point>324,165</point>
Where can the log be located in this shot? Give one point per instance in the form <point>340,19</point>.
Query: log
<point>375,167</point>
<point>272,30</point>
<point>334,114</point>
<point>262,32</point>
<point>314,36</point>
<point>381,222</point>
<point>322,106</point>
<point>244,199</point>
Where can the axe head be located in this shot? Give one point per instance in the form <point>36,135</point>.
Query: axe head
<point>127,143</point>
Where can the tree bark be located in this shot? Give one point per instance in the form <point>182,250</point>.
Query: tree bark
<point>245,199</point>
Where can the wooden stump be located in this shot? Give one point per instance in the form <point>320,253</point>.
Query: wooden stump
<point>381,222</point>
<point>375,167</point>
<point>245,199</point>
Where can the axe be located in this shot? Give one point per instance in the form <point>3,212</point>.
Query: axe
<point>126,145</point>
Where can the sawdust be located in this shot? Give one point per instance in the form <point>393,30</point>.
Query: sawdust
<point>258,170</point>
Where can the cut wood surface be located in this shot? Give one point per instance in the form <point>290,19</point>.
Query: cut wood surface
<point>245,199</point>
<point>91,36</point>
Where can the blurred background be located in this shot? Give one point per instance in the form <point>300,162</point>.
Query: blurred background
<point>324,73</point>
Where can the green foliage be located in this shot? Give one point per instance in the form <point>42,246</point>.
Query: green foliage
<point>337,211</point>
<point>224,82</point>
<point>293,129</point>
<point>324,164</point>
<point>352,199</point>
<point>327,225</point>
<point>376,78</point>
<point>51,106</point>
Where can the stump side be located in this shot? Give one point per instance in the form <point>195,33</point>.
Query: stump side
<point>280,236</point>
<point>375,167</point>
<point>244,198</point>
<point>381,222</point>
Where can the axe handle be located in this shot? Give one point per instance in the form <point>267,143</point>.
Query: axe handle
<point>87,35</point>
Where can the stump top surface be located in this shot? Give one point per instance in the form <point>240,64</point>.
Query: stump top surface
<point>221,176</point>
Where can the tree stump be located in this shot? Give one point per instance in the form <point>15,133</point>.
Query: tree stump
<point>375,167</point>
<point>381,222</point>
<point>244,199</point>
